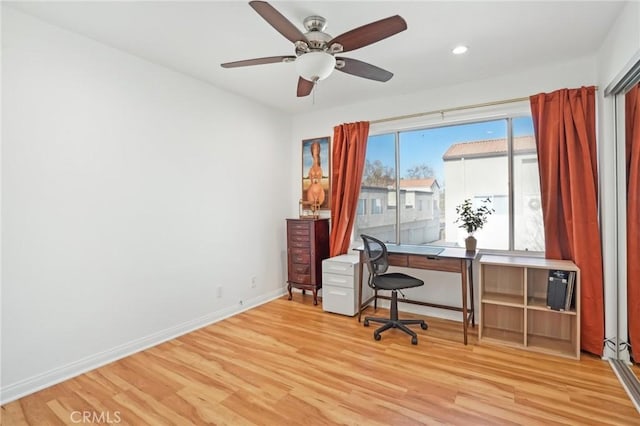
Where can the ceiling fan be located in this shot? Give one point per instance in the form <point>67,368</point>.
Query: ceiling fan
<point>314,50</point>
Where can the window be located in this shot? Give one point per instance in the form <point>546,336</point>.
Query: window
<point>376,206</point>
<point>410,200</point>
<point>527,212</point>
<point>432,170</point>
<point>362,207</point>
<point>391,199</point>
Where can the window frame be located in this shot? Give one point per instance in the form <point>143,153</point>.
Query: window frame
<point>508,113</point>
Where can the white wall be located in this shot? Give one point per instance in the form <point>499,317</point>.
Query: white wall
<point>130,194</point>
<point>621,45</point>
<point>441,287</point>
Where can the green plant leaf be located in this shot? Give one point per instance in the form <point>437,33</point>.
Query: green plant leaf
<point>472,219</point>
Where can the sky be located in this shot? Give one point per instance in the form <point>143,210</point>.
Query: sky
<point>427,146</point>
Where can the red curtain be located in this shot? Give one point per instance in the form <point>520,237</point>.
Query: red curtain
<point>349,149</point>
<point>632,132</point>
<point>565,129</point>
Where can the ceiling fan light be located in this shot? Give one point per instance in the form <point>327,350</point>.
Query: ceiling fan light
<point>314,66</point>
<point>459,50</point>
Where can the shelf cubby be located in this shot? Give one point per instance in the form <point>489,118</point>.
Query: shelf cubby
<point>506,281</point>
<point>503,323</point>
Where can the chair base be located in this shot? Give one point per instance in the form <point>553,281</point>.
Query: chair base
<point>394,322</point>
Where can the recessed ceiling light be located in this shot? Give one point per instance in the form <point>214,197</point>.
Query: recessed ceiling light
<point>459,50</point>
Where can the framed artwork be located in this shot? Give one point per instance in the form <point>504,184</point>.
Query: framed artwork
<point>316,172</point>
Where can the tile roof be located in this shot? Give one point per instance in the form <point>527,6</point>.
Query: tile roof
<point>489,148</point>
<point>423,185</point>
<point>417,183</point>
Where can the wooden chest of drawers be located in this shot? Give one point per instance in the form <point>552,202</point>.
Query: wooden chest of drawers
<point>307,247</point>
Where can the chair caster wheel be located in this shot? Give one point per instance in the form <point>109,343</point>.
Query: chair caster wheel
<point>366,323</point>
<point>424,326</point>
<point>414,340</point>
<point>377,336</point>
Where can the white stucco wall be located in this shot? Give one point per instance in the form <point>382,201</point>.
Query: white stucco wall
<point>133,204</point>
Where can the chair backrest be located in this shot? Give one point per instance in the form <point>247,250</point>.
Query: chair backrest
<point>375,254</point>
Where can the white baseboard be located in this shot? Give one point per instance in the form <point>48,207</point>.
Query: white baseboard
<point>41,381</point>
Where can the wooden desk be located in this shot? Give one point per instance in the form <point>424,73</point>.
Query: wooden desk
<point>450,259</point>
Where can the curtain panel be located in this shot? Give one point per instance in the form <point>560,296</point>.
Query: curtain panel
<point>565,129</point>
<point>632,149</point>
<point>349,150</point>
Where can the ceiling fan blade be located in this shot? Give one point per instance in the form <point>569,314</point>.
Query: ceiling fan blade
<point>304,87</point>
<point>370,33</point>
<point>257,61</point>
<point>364,70</point>
<point>278,21</point>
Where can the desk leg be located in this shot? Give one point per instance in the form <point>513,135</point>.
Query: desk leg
<point>463,273</point>
<point>360,285</point>
<point>473,306</point>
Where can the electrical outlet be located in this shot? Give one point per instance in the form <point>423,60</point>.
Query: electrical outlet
<point>253,282</point>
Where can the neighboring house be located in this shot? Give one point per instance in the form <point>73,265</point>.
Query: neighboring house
<point>476,170</point>
<point>419,211</point>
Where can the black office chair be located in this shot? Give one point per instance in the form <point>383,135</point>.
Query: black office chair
<point>375,253</point>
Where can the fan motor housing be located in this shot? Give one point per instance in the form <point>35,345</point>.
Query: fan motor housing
<point>317,39</point>
<point>315,23</point>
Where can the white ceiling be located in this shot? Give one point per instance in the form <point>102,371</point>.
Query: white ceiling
<point>196,37</point>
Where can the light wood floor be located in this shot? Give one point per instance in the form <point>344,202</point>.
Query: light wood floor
<point>290,363</point>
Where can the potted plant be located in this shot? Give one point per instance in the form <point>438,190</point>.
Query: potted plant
<point>472,219</point>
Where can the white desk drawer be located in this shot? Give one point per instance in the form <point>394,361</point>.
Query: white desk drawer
<point>338,280</point>
<point>346,264</point>
<point>339,284</point>
<point>339,300</point>
<point>337,268</point>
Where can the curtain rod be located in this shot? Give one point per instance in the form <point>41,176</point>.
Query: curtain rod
<point>442,111</point>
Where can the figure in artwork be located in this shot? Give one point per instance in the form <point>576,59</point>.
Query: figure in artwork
<point>315,193</point>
